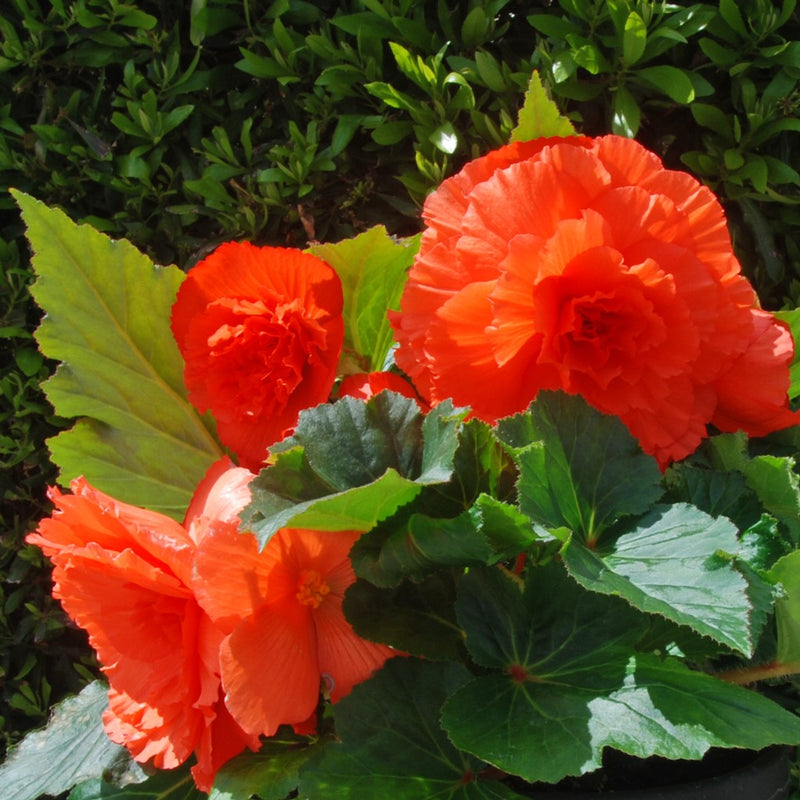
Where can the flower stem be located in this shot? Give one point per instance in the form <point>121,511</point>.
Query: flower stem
<point>760,672</point>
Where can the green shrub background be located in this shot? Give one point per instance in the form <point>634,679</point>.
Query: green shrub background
<point>180,125</point>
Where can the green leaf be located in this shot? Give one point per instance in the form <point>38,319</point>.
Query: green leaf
<point>561,688</point>
<point>164,785</point>
<point>392,744</point>
<point>578,468</point>
<point>729,11</point>
<point>625,115</point>
<point>634,39</point>
<point>372,268</point>
<point>272,773</point>
<point>792,319</point>
<point>417,547</point>
<point>668,564</point>
<point>774,480</point>
<point>415,618</point>
<point>72,748</point>
<point>107,310</point>
<point>786,571</point>
<point>672,81</point>
<point>539,115</point>
<point>350,464</point>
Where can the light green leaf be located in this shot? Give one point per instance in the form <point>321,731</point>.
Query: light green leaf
<point>626,114</point>
<point>393,746</point>
<point>786,571</point>
<point>372,268</point>
<point>667,564</point>
<point>72,748</point>
<point>539,115</point>
<point>445,138</point>
<point>792,319</point>
<point>672,81</point>
<point>559,688</point>
<point>774,480</point>
<point>634,39</point>
<point>107,310</point>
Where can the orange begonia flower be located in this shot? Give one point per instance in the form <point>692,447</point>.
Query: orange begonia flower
<point>260,330</point>
<point>124,574</point>
<point>364,385</point>
<point>286,632</point>
<point>584,265</point>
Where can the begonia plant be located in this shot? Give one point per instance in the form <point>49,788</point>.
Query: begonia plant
<point>450,516</point>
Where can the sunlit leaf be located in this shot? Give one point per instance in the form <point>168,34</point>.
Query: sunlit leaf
<point>392,744</point>
<point>667,564</point>
<point>350,464</point>
<point>372,268</point>
<point>107,310</point>
<point>539,115</point>
<point>554,675</point>
<point>73,748</point>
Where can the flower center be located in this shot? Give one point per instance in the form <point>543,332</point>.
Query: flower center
<point>311,588</point>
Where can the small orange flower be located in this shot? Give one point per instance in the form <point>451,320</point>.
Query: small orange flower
<point>584,265</point>
<point>124,574</point>
<point>260,330</point>
<point>364,385</point>
<point>286,632</point>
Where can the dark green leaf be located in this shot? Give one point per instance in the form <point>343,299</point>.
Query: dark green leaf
<point>392,744</point>
<point>271,774</point>
<point>417,618</point>
<point>350,464</point>
<point>578,468</point>
<point>164,785</point>
<point>563,687</point>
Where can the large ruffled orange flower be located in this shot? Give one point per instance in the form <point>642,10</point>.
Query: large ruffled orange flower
<point>124,575</point>
<point>584,265</point>
<point>260,330</point>
<point>287,637</point>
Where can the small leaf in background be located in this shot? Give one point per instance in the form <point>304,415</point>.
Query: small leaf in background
<point>634,39</point>
<point>392,744</point>
<point>106,320</point>
<point>539,115</point>
<point>73,748</point>
<point>625,113</point>
<point>578,468</point>
<point>559,677</point>
<point>672,81</point>
<point>372,268</point>
<point>666,564</point>
<point>350,464</point>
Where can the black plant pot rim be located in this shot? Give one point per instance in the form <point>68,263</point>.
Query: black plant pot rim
<point>762,776</point>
